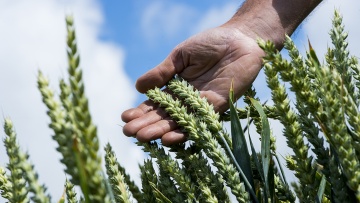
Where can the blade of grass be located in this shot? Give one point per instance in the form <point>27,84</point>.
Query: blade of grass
<point>236,128</point>
<point>259,168</point>
<point>247,126</point>
<point>242,175</point>
<point>271,182</point>
<point>313,55</point>
<point>240,150</point>
<point>256,160</point>
<point>318,176</point>
<point>265,142</point>
<point>321,189</point>
<point>160,195</point>
<point>282,174</point>
<point>251,120</point>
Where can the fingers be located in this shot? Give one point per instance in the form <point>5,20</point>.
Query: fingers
<point>149,118</point>
<point>139,111</point>
<point>161,74</point>
<point>152,126</point>
<point>156,130</point>
<point>149,122</point>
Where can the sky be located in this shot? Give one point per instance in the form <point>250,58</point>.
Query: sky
<point>118,41</point>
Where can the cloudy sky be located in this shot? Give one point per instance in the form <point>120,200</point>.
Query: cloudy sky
<point>118,41</point>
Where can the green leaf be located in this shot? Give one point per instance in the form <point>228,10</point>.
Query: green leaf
<point>240,150</point>
<point>159,194</point>
<point>282,174</point>
<point>271,183</point>
<point>265,141</point>
<point>255,158</point>
<point>321,189</point>
<point>258,166</point>
<point>313,56</point>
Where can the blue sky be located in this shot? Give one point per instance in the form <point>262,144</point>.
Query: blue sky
<point>118,41</point>
<point>148,30</point>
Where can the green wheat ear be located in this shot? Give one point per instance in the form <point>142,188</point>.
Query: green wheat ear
<point>15,180</point>
<point>73,127</point>
<point>200,134</point>
<point>117,180</point>
<point>114,171</point>
<point>70,192</point>
<point>22,180</point>
<point>327,101</point>
<point>325,112</point>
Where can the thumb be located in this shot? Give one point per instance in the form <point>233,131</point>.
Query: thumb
<point>162,73</point>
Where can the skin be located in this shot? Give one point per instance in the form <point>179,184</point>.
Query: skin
<point>212,59</point>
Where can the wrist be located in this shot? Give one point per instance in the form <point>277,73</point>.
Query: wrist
<point>271,19</point>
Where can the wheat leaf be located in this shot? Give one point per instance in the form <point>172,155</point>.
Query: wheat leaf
<point>265,142</point>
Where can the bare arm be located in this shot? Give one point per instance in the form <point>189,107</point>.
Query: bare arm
<point>271,19</point>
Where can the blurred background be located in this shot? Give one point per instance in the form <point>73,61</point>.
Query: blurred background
<point>118,41</point>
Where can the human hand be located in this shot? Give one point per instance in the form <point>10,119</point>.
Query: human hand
<point>209,61</point>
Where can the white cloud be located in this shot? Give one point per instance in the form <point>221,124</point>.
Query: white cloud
<point>33,37</point>
<point>318,25</point>
<point>163,19</point>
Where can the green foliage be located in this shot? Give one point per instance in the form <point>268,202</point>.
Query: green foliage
<point>324,119</point>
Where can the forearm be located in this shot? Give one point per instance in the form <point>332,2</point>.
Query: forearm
<point>271,19</point>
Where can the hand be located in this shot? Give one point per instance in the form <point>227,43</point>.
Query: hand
<point>212,59</point>
<point>209,61</point>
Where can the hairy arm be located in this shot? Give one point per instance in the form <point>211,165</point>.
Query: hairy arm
<point>271,19</point>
